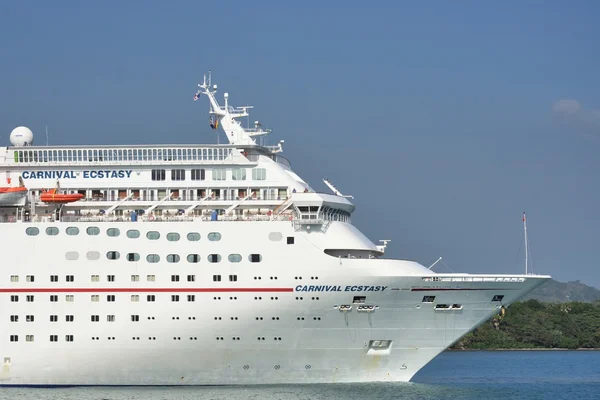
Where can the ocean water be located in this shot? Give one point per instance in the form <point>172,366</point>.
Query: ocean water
<point>495,375</point>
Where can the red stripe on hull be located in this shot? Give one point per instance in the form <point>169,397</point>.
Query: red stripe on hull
<point>144,290</point>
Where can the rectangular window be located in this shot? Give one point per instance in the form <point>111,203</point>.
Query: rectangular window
<point>428,299</point>
<point>135,298</point>
<point>238,174</point>
<point>175,297</point>
<point>30,278</point>
<point>95,278</point>
<point>219,174</point>
<point>150,298</point>
<point>53,298</point>
<point>29,318</point>
<point>158,174</point>
<point>110,297</point>
<point>54,318</point>
<point>69,318</point>
<point>68,338</point>
<point>191,278</point>
<point>290,240</point>
<point>53,278</point>
<point>198,174</point>
<point>95,318</point>
<point>178,174</point>
<point>29,338</point>
<point>135,318</point>
<point>191,297</point>
<point>498,297</point>
<point>232,278</point>
<point>54,338</point>
<point>14,298</point>
<point>14,338</point>
<point>70,278</point>
<point>359,299</point>
<point>110,318</point>
<point>110,278</point>
<point>216,278</point>
<point>174,278</point>
<point>14,278</point>
<point>70,298</point>
<point>150,278</point>
<point>95,298</point>
<point>29,298</point>
<point>259,174</point>
<point>135,278</point>
<point>14,318</point>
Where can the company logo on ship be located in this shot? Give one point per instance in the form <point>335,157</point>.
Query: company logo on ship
<point>349,288</point>
<point>86,174</point>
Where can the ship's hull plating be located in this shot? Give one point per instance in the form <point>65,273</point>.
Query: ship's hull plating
<point>282,321</point>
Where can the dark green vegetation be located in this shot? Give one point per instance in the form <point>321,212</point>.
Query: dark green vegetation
<point>534,324</point>
<point>553,291</point>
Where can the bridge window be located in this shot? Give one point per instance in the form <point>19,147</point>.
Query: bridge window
<point>259,174</point>
<point>198,174</point>
<point>238,174</point>
<point>158,174</point>
<point>219,174</point>
<point>178,174</point>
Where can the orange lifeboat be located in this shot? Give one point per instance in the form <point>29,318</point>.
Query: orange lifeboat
<point>51,196</point>
<point>12,190</point>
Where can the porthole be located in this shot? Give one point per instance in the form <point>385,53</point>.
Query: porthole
<point>133,234</point>
<point>173,258</point>
<point>255,258</point>
<point>72,230</point>
<point>153,235</point>
<point>214,258</point>
<point>193,236</point>
<point>214,236</point>
<point>173,236</point>
<point>193,258</point>
<point>133,257</point>
<point>113,255</point>
<point>113,232</point>
<point>93,230</point>
<point>72,255</point>
<point>32,231</point>
<point>92,255</point>
<point>235,258</point>
<point>153,258</point>
<point>51,231</point>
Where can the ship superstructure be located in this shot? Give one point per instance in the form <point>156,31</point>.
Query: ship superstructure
<point>209,264</point>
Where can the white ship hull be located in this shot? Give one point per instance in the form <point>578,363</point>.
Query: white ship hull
<point>319,343</point>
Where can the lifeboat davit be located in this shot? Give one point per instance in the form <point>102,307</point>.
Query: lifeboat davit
<point>52,196</point>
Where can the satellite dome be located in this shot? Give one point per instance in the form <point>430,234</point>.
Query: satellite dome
<point>21,136</point>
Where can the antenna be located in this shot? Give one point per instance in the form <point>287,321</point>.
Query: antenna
<point>526,246</point>
<point>437,261</point>
<point>46,135</point>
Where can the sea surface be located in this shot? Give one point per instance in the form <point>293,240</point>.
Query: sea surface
<point>493,375</point>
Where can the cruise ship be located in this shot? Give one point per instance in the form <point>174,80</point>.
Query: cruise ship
<point>209,265</point>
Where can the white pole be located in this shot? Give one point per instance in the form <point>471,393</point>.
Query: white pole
<point>526,248</point>
<point>46,135</point>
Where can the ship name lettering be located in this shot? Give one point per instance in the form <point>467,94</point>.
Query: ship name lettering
<point>349,288</point>
<point>86,174</point>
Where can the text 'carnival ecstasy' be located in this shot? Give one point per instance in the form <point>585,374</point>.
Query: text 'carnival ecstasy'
<point>209,265</point>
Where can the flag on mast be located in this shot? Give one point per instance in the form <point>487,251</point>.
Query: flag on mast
<point>197,95</point>
<point>523,217</point>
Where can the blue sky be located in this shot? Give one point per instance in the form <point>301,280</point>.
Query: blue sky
<point>446,120</point>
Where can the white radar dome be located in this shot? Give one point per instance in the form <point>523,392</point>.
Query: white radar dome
<point>21,136</point>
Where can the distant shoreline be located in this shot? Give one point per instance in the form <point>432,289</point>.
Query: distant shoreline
<point>529,349</point>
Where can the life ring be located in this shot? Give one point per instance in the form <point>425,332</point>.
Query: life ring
<point>151,217</point>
